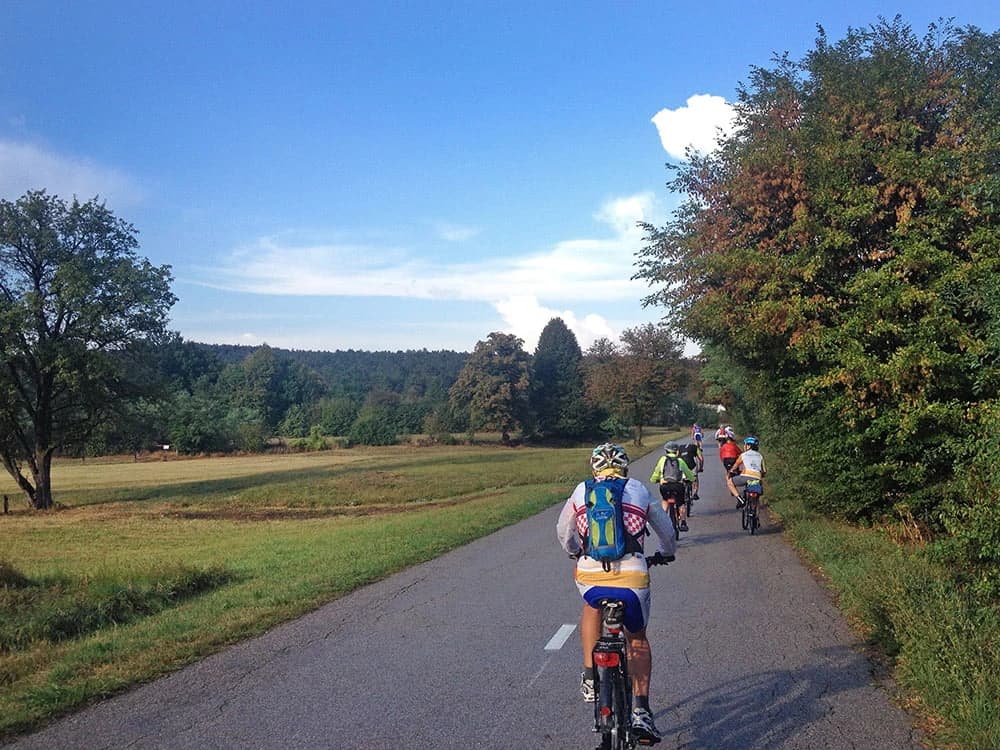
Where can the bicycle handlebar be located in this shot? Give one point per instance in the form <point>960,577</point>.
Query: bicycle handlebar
<point>651,560</point>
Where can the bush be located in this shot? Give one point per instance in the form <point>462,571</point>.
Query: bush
<point>374,426</point>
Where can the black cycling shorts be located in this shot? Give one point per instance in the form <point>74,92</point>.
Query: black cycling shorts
<point>674,490</point>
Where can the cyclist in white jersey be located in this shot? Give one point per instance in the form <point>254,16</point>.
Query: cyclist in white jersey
<point>627,579</point>
<point>750,465</point>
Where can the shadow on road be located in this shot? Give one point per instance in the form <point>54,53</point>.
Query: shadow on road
<point>765,710</point>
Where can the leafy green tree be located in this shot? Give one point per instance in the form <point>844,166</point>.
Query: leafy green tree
<point>197,424</point>
<point>336,415</point>
<point>375,425</point>
<point>493,386</point>
<point>77,306</point>
<point>840,247</point>
<point>635,380</point>
<point>269,384</point>
<point>557,393</point>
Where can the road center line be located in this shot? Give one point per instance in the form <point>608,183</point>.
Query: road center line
<point>562,635</point>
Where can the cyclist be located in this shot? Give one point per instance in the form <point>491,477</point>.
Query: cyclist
<point>729,452</point>
<point>673,486</point>
<point>750,465</point>
<point>628,578</point>
<point>691,453</point>
<point>696,433</point>
<point>698,439</point>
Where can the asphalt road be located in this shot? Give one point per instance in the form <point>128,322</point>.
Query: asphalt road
<point>464,652</point>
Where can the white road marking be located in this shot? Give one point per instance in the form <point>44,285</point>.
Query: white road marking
<point>562,635</point>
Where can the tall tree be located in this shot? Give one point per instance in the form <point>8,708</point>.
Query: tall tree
<point>77,306</point>
<point>840,247</point>
<point>493,386</point>
<point>557,391</point>
<point>633,380</point>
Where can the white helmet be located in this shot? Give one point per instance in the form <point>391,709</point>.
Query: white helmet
<point>609,456</point>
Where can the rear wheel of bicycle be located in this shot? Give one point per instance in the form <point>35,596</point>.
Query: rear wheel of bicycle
<point>621,713</point>
<point>745,517</point>
<point>674,521</point>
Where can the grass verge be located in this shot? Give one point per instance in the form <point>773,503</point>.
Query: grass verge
<point>940,643</point>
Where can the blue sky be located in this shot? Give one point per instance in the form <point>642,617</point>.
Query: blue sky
<point>390,175</point>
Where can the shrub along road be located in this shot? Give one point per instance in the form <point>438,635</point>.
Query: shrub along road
<point>748,652</point>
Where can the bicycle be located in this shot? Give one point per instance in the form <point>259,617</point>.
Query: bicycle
<point>612,682</point>
<point>670,497</point>
<point>751,501</point>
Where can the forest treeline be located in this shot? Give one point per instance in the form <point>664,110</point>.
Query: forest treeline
<point>225,398</point>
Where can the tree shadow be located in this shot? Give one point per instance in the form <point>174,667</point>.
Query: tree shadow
<point>768,709</point>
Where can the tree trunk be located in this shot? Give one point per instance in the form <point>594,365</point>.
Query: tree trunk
<point>638,434</point>
<point>42,474</point>
<point>22,482</point>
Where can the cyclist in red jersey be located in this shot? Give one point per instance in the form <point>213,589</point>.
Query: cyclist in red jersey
<point>729,452</point>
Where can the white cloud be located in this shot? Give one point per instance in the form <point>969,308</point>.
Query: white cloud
<point>599,269</point>
<point>697,124</point>
<point>24,167</point>
<point>573,279</point>
<point>526,317</point>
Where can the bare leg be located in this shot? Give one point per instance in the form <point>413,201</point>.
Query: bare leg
<point>590,631</point>
<point>640,662</point>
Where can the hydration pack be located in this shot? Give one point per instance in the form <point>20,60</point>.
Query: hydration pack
<point>607,539</point>
<point>671,471</point>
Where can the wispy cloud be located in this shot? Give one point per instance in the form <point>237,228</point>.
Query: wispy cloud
<point>25,166</point>
<point>697,124</point>
<point>570,279</point>
<point>455,232</point>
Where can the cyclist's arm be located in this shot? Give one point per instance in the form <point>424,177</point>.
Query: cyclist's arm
<point>569,537</point>
<point>659,521</point>
<point>657,474</point>
<point>688,474</point>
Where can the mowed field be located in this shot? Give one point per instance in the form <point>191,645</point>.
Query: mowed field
<point>146,566</point>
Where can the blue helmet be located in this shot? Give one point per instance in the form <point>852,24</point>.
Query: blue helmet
<point>751,442</point>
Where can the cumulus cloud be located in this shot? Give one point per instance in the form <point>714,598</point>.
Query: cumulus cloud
<point>526,290</point>
<point>24,167</point>
<point>526,317</point>
<point>697,124</point>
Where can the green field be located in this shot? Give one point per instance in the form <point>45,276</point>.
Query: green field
<point>147,566</point>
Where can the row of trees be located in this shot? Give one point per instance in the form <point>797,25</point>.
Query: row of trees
<point>88,367</point>
<point>562,392</point>
<point>839,256</point>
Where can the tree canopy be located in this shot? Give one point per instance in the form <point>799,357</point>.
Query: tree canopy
<point>78,308</point>
<point>634,380</point>
<point>842,248</point>
<point>557,393</point>
<point>493,386</point>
